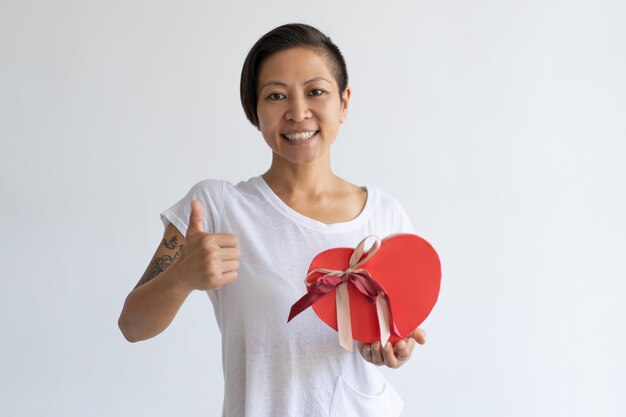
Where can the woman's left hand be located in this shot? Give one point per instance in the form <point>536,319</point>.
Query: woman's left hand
<point>392,357</point>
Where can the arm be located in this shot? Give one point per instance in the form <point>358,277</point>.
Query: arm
<point>153,303</point>
<point>199,261</point>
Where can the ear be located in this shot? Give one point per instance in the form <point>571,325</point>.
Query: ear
<point>345,100</point>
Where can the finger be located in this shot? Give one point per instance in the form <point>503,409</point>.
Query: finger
<point>389,357</point>
<point>228,254</point>
<point>402,351</point>
<point>366,351</point>
<point>377,355</point>
<point>226,240</point>
<point>419,335</point>
<point>229,266</point>
<point>410,344</point>
<point>195,219</point>
<point>228,277</point>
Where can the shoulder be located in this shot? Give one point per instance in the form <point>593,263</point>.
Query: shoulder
<point>210,186</point>
<point>212,189</point>
<point>387,207</point>
<point>384,200</point>
<point>209,193</point>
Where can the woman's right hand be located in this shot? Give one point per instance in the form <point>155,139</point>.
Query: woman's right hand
<point>202,261</point>
<point>208,261</point>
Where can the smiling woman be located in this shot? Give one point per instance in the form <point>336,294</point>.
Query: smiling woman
<point>299,109</point>
<point>249,246</point>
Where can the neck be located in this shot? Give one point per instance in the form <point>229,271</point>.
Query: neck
<point>302,180</point>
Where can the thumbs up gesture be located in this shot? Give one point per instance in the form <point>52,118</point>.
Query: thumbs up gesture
<point>208,260</point>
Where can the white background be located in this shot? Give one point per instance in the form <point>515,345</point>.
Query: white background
<point>499,125</point>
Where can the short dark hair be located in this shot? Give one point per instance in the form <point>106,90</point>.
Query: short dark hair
<point>284,37</point>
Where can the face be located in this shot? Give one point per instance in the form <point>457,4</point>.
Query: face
<point>299,105</point>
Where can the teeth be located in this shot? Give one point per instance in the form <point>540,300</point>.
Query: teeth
<point>300,136</point>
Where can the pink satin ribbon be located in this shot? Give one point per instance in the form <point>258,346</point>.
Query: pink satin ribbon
<point>373,291</point>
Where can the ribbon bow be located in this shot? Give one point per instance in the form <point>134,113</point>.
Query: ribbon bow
<point>373,291</point>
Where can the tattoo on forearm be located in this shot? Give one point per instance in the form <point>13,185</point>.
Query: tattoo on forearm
<point>173,242</point>
<point>161,263</point>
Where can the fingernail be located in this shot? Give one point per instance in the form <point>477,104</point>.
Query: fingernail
<point>401,344</point>
<point>387,346</point>
<point>368,350</point>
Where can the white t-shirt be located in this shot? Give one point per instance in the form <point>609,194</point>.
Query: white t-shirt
<point>273,368</point>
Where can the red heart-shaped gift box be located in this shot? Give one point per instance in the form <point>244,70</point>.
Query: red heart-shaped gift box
<point>406,266</point>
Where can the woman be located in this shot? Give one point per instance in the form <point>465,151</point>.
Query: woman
<point>249,246</point>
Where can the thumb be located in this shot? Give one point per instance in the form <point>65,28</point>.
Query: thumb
<point>195,219</point>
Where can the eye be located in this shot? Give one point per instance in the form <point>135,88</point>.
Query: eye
<point>317,92</point>
<point>276,96</point>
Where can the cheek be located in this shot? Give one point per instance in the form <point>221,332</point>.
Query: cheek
<point>262,120</point>
<point>267,126</point>
<point>267,118</point>
<point>322,109</point>
<point>331,115</point>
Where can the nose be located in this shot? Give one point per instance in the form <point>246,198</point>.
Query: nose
<point>298,109</point>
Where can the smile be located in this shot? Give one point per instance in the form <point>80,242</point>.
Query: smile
<point>299,136</point>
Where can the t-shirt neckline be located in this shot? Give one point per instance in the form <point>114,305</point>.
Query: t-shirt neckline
<point>279,204</point>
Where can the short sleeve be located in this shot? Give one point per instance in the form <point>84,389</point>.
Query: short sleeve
<point>406,225</point>
<point>210,195</point>
<point>396,219</point>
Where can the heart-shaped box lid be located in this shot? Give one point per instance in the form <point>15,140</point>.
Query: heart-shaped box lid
<point>408,269</point>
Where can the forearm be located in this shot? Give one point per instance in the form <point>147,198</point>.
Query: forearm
<point>152,306</point>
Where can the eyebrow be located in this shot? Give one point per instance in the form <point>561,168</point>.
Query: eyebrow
<point>285,85</point>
